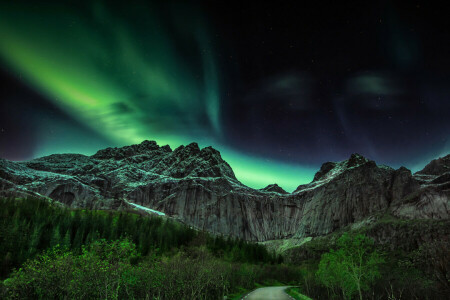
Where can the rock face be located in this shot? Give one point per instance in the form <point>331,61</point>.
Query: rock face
<point>199,188</point>
<point>274,188</point>
<point>438,166</point>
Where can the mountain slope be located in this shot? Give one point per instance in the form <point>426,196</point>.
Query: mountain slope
<point>200,189</point>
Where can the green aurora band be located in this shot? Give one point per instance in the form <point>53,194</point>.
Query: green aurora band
<point>130,84</point>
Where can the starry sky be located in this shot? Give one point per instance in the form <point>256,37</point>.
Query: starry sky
<point>279,87</point>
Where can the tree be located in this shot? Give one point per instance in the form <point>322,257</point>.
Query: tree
<point>65,243</point>
<point>56,237</point>
<point>352,268</point>
<point>34,241</point>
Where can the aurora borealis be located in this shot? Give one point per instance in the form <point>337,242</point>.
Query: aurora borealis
<point>276,97</point>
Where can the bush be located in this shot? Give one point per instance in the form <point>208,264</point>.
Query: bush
<point>114,270</point>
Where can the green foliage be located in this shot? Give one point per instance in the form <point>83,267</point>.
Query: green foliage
<point>65,254</point>
<point>98,273</point>
<point>114,270</point>
<point>42,278</point>
<point>30,226</point>
<point>296,294</point>
<point>72,254</point>
<point>417,254</point>
<point>352,268</point>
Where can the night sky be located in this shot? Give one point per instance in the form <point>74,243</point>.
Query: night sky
<point>279,87</point>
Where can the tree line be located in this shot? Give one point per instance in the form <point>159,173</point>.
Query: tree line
<point>50,252</point>
<point>30,226</point>
<point>116,270</point>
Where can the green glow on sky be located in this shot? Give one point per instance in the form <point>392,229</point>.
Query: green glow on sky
<point>128,85</point>
<point>258,172</point>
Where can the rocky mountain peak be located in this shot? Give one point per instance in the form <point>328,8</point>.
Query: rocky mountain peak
<point>356,160</point>
<point>151,145</point>
<point>324,169</point>
<point>193,147</point>
<point>192,161</point>
<point>166,148</point>
<point>403,169</point>
<point>128,151</point>
<point>329,169</point>
<point>274,188</point>
<point>438,166</point>
<point>198,187</point>
<point>188,150</point>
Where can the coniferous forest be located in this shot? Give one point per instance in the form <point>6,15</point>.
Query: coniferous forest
<point>48,251</point>
<point>30,226</point>
<point>51,252</point>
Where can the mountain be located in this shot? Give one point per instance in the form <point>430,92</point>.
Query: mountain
<point>197,187</point>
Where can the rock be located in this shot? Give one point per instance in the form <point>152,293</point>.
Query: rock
<point>356,160</point>
<point>197,187</point>
<point>274,188</point>
<point>403,184</point>
<point>349,192</point>
<point>437,166</point>
<point>326,167</point>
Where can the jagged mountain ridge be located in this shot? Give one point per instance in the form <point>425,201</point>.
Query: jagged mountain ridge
<point>199,188</point>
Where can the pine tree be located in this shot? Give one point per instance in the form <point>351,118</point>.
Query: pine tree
<point>34,241</point>
<point>78,240</point>
<point>6,264</point>
<point>56,237</point>
<point>65,243</point>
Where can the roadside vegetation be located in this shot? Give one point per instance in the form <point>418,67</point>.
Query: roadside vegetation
<point>295,293</point>
<point>51,252</point>
<point>350,265</point>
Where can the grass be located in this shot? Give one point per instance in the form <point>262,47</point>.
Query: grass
<point>239,295</point>
<point>294,292</point>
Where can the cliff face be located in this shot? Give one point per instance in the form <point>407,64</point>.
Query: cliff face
<point>199,188</point>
